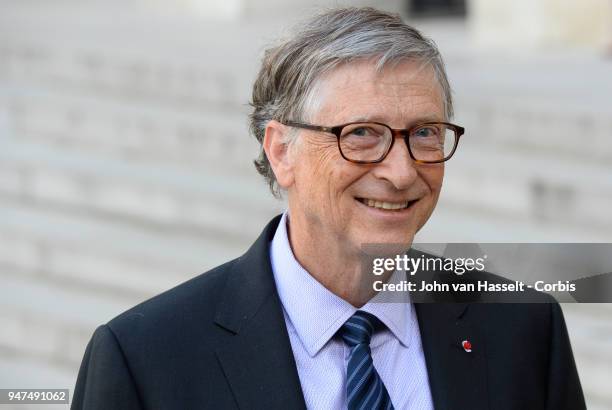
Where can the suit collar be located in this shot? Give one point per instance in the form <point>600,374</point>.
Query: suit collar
<point>249,284</point>
<point>315,312</point>
<point>257,360</point>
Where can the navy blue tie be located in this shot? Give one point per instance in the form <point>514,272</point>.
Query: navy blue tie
<point>364,387</point>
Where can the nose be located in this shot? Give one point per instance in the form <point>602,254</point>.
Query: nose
<point>398,167</point>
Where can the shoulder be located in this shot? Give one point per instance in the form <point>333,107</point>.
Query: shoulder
<point>192,301</point>
<point>147,354</point>
<point>188,311</point>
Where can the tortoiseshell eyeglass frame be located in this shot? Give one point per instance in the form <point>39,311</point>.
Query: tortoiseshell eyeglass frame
<point>404,133</point>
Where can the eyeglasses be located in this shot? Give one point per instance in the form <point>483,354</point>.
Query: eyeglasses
<point>371,142</point>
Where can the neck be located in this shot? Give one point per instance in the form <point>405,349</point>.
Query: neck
<point>339,269</point>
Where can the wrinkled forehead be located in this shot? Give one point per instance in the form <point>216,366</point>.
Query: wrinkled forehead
<point>361,87</point>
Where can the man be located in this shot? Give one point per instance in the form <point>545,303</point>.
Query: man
<point>352,114</point>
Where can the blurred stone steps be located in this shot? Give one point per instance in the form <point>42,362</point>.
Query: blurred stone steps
<point>32,373</point>
<point>51,322</point>
<point>100,254</point>
<point>183,137</point>
<point>538,125</point>
<point>163,196</point>
<point>540,188</point>
<point>458,222</point>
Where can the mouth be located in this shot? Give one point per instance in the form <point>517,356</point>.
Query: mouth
<point>387,206</point>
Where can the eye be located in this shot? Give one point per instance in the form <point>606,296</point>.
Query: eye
<point>426,132</point>
<point>362,132</point>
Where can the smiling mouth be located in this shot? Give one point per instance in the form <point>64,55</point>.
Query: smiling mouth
<point>387,206</point>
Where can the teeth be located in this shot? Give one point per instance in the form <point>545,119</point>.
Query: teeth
<point>385,205</point>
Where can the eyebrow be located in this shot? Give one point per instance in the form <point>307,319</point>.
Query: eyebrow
<point>378,118</point>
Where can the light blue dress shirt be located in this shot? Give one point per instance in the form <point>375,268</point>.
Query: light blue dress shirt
<point>313,315</point>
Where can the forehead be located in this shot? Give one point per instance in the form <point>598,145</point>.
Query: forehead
<point>403,92</point>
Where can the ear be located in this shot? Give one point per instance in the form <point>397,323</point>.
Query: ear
<point>277,151</point>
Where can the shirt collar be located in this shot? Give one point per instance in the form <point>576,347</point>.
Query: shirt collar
<point>315,312</point>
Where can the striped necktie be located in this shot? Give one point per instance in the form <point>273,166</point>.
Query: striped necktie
<point>364,387</point>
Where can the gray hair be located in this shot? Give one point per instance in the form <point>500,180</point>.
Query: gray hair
<point>289,71</point>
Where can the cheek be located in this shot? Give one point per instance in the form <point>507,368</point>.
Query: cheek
<point>433,177</point>
<point>315,170</point>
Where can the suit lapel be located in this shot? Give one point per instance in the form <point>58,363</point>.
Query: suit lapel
<point>458,379</point>
<point>257,360</point>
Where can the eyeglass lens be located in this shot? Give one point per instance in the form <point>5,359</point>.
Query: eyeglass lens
<point>370,142</point>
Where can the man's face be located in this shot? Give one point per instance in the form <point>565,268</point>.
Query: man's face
<point>331,196</point>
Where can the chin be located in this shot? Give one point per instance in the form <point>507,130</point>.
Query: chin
<point>403,238</point>
<point>384,245</point>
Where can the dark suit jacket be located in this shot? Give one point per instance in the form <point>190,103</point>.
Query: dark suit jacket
<point>219,341</point>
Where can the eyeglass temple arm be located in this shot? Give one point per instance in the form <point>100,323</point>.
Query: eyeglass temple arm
<point>308,126</point>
